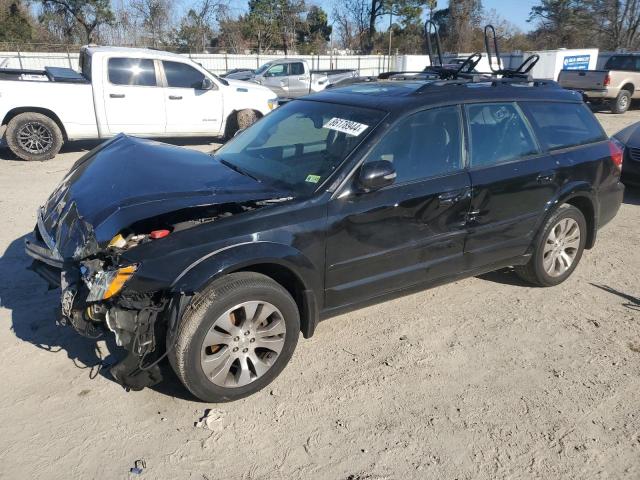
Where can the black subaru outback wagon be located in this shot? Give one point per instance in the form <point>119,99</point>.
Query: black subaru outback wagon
<point>331,202</point>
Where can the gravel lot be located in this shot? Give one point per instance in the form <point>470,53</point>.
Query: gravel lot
<point>483,378</point>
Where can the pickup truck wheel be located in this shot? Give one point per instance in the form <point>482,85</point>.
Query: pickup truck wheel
<point>34,136</point>
<point>558,248</point>
<point>236,337</point>
<point>246,118</point>
<point>622,102</point>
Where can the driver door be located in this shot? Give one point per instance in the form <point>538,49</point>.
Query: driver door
<point>277,79</point>
<point>411,231</point>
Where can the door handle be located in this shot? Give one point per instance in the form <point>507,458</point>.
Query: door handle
<point>546,177</point>
<point>449,198</point>
<point>116,95</point>
<point>303,78</point>
<point>175,97</point>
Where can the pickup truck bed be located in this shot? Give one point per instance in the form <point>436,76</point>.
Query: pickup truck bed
<point>618,83</point>
<point>49,74</point>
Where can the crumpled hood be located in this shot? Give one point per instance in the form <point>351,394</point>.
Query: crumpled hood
<point>126,180</point>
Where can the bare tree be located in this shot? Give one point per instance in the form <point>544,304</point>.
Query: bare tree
<point>88,14</point>
<point>155,18</point>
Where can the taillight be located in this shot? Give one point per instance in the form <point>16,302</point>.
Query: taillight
<point>607,80</point>
<point>616,149</point>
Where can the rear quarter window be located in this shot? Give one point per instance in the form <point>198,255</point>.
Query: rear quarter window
<point>563,125</point>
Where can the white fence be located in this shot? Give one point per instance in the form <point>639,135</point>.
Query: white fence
<point>220,63</point>
<point>216,63</point>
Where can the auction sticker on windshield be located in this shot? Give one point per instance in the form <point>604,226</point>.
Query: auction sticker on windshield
<point>345,126</point>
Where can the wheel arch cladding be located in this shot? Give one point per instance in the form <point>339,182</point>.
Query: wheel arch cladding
<point>585,205</point>
<point>581,196</point>
<point>11,114</point>
<point>281,263</point>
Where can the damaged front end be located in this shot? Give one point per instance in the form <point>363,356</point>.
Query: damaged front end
<point>101,211</point>
<point>93,301</point>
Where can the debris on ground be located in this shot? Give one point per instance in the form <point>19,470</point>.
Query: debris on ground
<point>211,419</point>
<point>139,466</point>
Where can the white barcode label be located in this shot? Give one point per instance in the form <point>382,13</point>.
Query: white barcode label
<point>346,126</point>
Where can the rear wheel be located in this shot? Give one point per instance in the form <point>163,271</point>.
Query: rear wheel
<point>34,136</point>
<point>238,335</point>
<point>622,102</point>
<point>558,248</point>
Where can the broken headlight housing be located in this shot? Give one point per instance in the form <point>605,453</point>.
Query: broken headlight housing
<point>108,283</point>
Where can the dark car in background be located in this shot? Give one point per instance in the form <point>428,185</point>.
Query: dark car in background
<point>347,197</point>
<point>629,139</point>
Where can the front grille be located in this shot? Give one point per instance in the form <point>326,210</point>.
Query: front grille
<point>634,154</point>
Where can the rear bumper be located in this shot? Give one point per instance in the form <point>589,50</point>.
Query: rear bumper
<point>600,94</point>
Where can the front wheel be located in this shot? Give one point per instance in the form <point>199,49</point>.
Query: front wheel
<point>34,136</point>
<point>236,337</point>
<point>558,248</point>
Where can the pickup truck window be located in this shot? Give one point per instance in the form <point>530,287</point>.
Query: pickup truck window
<point>132,72</point>
<point>498,134</point>
<point>279,70</point>
<point>423,145</point>
<point>562,125</point>
<point>628,63</point>
<point>296,69</point>
<point>298,146</point>
<point>181,75</point>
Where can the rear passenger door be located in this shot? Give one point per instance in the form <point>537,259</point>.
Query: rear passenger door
<point>410,231</point>
<point>298,80</point>
<point>133,99</point>
<point>512,180</point>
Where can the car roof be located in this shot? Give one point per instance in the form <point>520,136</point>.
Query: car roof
<point>397,96</point>
<point>143,52</point>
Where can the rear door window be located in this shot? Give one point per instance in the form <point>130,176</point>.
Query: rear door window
<point>181,75</point>
<point>563,125</point>
<point>132,72</point>
<point>628,63</point>
<point>498,134</point>
<point>296,69</point>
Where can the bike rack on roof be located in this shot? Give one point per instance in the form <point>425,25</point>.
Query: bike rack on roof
<point>523,69</point>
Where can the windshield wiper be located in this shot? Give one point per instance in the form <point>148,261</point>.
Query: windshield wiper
<point>237,169</point>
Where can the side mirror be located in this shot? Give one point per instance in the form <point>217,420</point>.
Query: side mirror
<point>376,175</point>
<point>207,84</point>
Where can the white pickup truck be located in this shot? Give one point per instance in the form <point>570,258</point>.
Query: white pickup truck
<point>139,92</point>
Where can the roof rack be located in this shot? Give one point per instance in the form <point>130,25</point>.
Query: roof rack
<point>523,70</point>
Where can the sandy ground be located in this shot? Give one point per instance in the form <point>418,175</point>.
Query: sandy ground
<point>483,378</point>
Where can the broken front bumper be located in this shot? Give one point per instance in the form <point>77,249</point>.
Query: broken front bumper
<point>132,318</point>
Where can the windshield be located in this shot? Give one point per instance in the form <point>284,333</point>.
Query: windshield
<point>298,146</point>
<point>262,68</point>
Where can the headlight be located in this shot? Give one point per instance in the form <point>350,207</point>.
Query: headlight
<point>273,103</point>
<point>108,283</point>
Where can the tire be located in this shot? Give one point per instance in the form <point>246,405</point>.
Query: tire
<point>246,118</point>
<point>229,370</point>
<point>536,270</point>
<point>34,137</point>
<point>622,102</point>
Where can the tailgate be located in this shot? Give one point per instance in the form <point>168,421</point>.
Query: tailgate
<point>583,79</point>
